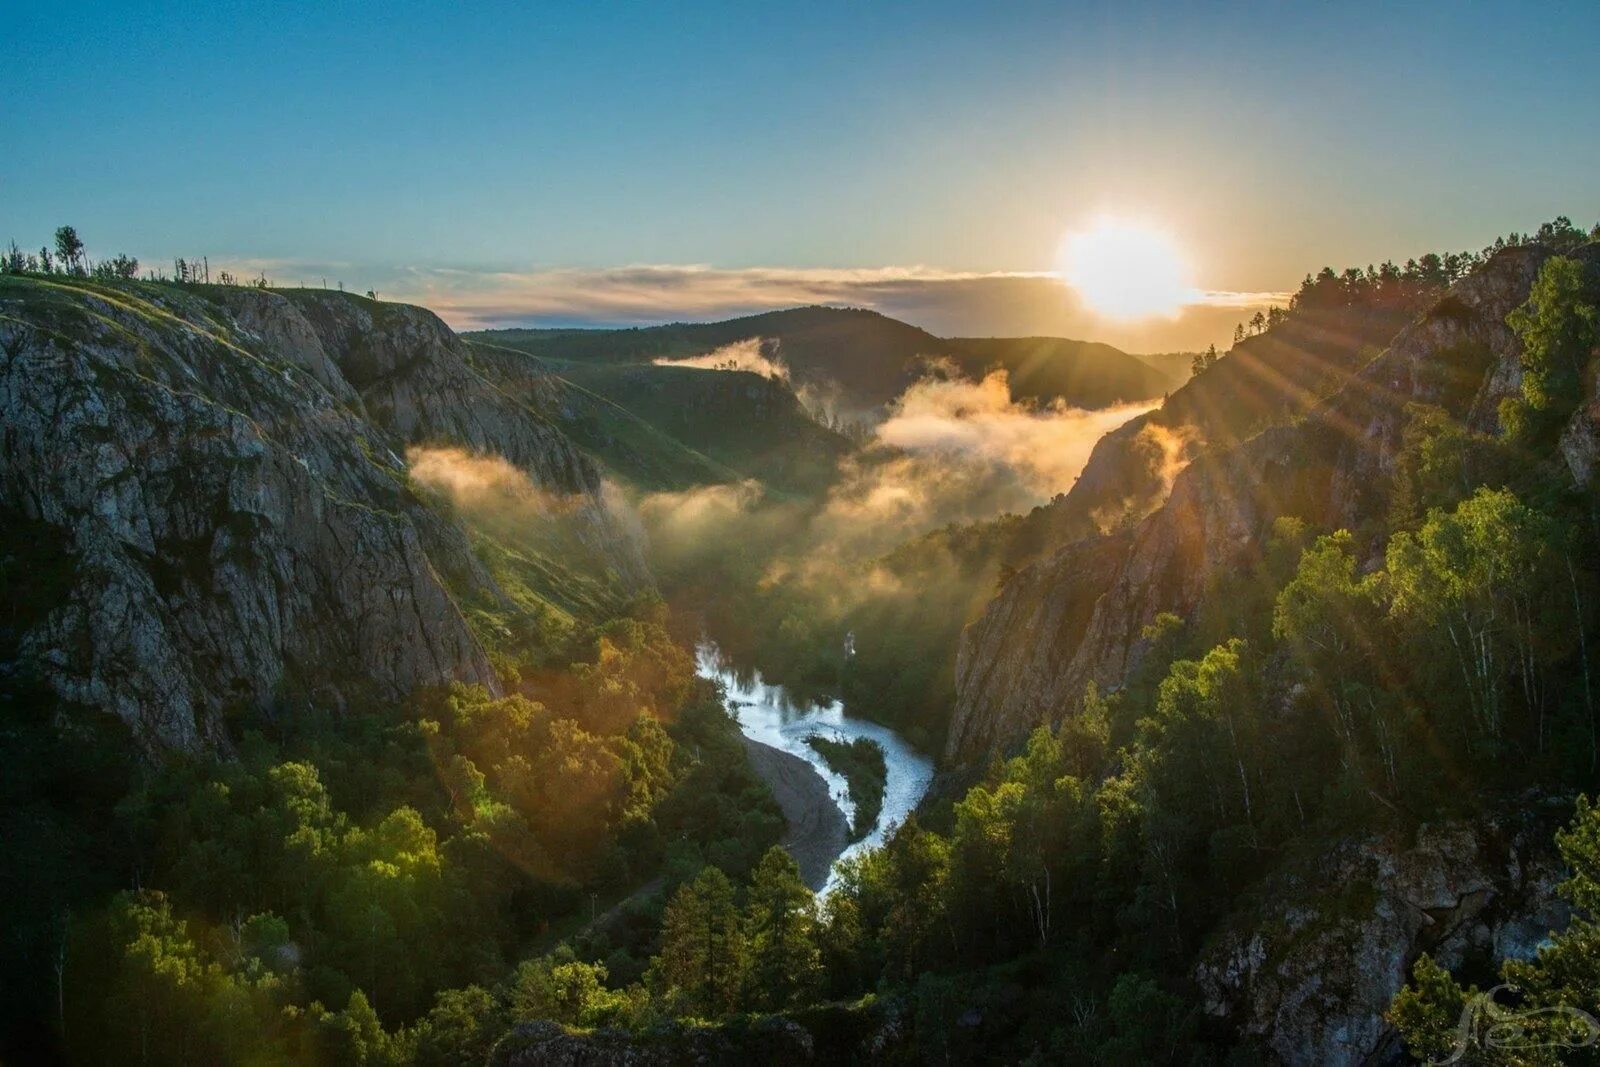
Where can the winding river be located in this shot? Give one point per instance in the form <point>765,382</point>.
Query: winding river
<point>768,715</point>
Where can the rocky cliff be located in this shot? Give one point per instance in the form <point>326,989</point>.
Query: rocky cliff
<point>1266,380</point>
<point>1077,614</point>
<point>224,469</point>
<point>547,1044</point>
<point>1309,967</point>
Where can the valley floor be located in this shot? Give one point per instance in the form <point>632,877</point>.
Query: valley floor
<point>817,833</point>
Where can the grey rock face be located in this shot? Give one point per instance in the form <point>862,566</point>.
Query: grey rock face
<point>1308,974</point>
<point>1077,615</point>
<point>242,529</point>
<point>546,1044</point>
<point>415,380</point>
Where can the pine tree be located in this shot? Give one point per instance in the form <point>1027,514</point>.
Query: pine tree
<point>701,965</point>
<point>780,925</point>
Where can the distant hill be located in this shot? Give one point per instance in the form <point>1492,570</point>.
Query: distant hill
<point>1175,367</point>
<point>869,358</point>
<point>1083,373</point>
<point>664,427</point>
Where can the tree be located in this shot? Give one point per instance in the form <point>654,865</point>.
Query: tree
<point>156,995</point>
<point>563,988</point>
<point>1557,328</point>
<point>1439,464</point>
<point>461,1027</point>
<point>701,966</point>
<point>1328,617</point>
<point>356,1036</point>
<point>119,266</point>
<point>1478,581</point>
<point>1427,1012</point>
<point>69,250</point>
<point>1205,719</point>
<point>780,929</point>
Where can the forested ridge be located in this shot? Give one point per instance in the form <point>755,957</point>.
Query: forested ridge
<point>1358,761</point>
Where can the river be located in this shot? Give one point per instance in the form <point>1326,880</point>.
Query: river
<point>768,715</point>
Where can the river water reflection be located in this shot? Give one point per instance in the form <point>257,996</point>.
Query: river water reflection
<point>767,714</point>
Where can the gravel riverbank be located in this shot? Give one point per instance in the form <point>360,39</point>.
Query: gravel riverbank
<point>817,831</point>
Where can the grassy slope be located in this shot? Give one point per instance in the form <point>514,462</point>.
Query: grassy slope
<point>738,420</point>
<point>1084,373</point>
<point>629,446</point>
<point>668,428</point>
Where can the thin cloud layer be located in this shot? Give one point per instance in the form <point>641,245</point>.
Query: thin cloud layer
<point>949,303</point>
<point>946,303</point>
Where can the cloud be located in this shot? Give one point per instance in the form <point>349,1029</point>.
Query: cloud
<point>948,303</point>
<point>949,451</point>
<point>1044,447</point>
<point>754,354</point>
<point>476,482</point>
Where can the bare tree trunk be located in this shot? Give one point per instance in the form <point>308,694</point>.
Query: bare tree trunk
<point>1583,657</point>
<point>1244,781</point>
<point>61,987</point>
<point>1466,672</point>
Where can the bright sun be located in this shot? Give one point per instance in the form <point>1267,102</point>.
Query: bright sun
<point>1125,270</point>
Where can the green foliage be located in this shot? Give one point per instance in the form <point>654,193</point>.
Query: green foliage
<point>1347,707</point>
<point>1557,327</point>
<point>703,948</point>
<point>565,989</point>
<point>1439,465</point>
<point>1427,1010</point>
<point>785,965</point>
<point>461,1027</point>
<point>861,763</point>
<point>388,860</point>
<point>144,984</point>
<point>1477,583</point>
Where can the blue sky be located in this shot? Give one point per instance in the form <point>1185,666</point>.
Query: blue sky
<point>388,143</point>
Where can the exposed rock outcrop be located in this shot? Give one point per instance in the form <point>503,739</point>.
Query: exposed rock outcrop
<point>546,1044</point>
<point>224,466</point>
<point>1078,614</point>
<point>1309,968</point>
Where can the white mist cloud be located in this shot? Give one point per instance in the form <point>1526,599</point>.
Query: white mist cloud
<point>1044,447</point>
<point>753,354</point>
<point>950,450</point>
<point>476,482</point>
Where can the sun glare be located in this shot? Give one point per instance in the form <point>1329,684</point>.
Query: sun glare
<point>1125,270</point>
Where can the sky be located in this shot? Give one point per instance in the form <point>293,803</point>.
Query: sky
<point>623,163</point>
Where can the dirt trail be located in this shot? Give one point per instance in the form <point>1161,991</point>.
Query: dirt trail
<point>817,831</point>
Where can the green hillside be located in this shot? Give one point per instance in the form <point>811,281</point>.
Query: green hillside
<point>1083,373</point>
<point>868,358</point>
<point>661,427</point>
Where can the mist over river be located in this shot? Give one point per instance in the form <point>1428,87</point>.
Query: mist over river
<point>768,715</point>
